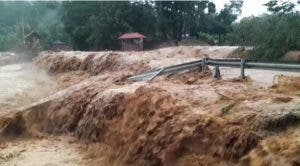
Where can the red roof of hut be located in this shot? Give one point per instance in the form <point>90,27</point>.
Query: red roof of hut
<point>132,36</point>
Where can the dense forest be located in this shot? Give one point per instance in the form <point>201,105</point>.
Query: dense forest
<point>97,25</point>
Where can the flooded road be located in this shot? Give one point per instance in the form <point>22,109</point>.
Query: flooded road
<point>265,78</point>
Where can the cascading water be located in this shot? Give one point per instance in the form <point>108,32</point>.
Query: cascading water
<point>21,84</point>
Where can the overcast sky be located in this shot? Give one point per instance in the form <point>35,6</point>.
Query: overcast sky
<point>250,7</point>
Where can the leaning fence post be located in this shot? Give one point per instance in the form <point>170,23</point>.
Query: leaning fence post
<point>243,62</point>
<point>217,73</point>
<point>203,64</point>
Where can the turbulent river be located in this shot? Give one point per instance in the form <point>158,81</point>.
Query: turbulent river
<point>98,117</point>
<point>21,84</point>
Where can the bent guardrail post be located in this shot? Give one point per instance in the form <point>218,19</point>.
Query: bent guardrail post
<point>243,63</point>
<point>204,64</point>
<point>217,73</point>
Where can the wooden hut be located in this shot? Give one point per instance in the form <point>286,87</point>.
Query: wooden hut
<point>60,46</point>
<point>132,41</point>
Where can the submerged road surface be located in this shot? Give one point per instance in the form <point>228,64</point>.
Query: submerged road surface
<point>264,78</point>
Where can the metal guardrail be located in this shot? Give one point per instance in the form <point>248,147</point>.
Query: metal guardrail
<point>167,70</point>
<point>252,64</point>
<point>236,63</point>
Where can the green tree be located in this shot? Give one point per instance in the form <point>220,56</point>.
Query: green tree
<point>176,18</point>
<point>97,25</point>
<point>221,23</point>
<point>20,18</point>
<point>108,25</point>
<point>100,28</point>
<point>279,35</point>
<point>211,8</point>
<point>276,7</point>
<point>270,35</point>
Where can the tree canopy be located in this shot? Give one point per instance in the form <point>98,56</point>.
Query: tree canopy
<point>270,35</point>
<point>96,25</point>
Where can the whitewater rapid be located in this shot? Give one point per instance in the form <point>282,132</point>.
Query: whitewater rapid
<point>21,84</point>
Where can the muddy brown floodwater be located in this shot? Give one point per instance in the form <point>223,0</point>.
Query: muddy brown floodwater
<point>20,85</point>
<point>51,151</point>
<point>182,119</point>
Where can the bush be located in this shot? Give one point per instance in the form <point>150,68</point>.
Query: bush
<point>205,37</point>
<point>271,36</point>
